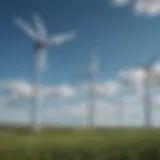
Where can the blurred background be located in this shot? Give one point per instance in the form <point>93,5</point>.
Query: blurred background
<point>101,62</point>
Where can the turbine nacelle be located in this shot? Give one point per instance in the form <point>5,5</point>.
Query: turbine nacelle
<point>40,45</point>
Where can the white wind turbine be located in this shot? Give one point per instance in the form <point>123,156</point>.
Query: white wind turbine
<point>147,88</point>
<point>92,72</point>
<point>41,40</point>
<point>90,88</point>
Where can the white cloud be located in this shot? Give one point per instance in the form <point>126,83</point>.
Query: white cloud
<point>142,7</point>
<point>62,91</point>
<point>80,112</point>
<point>135,77</point>
<point>106,111</point>
<point>120,2</point>
<point>108,88</point>
<point>147,7</point>
<point>17,88</point>
<point>66,112</point>
<point>20,91</point>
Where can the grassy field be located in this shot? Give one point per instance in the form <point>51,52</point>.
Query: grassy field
<point>17,143</point>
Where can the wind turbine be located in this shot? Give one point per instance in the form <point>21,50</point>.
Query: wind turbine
<point>147,96</point>
<point>91,90</point>
<point>41,41</point>
<point>147,89</point>
<point>116,100</point>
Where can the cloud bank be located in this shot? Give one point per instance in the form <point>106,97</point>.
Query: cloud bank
<point>130,103</point>
<point>106,114</point>
<point>136,76</point>
<point>20,91</point>
<point>141,7</point>
<point>76,114</point>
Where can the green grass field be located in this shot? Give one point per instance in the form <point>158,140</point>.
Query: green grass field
<point>17,143</point>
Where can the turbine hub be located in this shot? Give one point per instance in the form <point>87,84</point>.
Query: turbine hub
<point>40,45</point>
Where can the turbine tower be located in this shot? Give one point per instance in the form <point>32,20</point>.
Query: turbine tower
<point>117,101</point>
<point>146,90</point>
<point>92,72</point>
<point>41,41</point>
<point>147,96</point>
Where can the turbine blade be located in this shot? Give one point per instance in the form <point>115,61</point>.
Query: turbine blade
<point>41,31</point>
<point>26,28</point>
<point>62,38</point>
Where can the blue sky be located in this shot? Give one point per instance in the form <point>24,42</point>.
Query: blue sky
<point>122,39</point>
